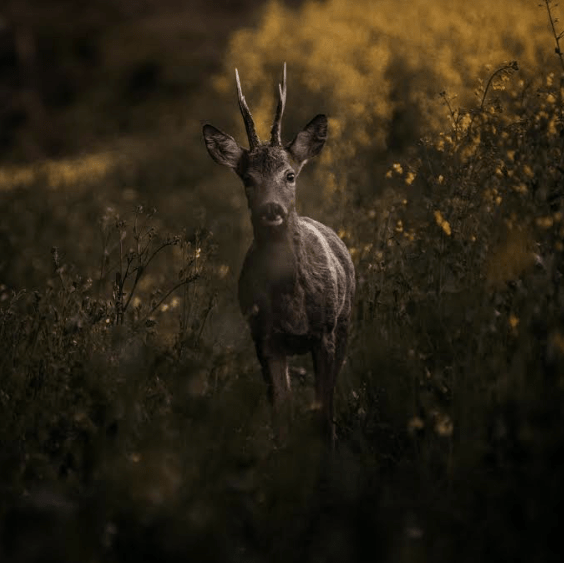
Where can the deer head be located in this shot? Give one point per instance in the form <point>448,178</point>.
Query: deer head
<point>268,170</point>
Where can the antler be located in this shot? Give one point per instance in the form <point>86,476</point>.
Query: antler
<point>247,117</point>
<point>275,139</point>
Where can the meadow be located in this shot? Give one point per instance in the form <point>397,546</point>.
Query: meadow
<point>134,424</point>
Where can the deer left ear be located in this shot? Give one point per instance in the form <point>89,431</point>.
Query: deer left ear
<point>309,142</point>
<point>223,148</point>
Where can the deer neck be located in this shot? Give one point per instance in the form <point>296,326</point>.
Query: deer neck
<point>279,251</point>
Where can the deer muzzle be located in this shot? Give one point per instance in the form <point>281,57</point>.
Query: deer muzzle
<point>272,215</point>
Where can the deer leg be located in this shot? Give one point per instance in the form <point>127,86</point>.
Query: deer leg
<point>274,367</point>
<point>323,355</point>
<point>328,358</point>
<point>341,338</point>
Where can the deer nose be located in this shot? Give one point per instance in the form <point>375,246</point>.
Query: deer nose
<point>272,214</point>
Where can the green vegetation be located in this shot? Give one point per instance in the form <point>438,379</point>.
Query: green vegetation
<point>134,424</point>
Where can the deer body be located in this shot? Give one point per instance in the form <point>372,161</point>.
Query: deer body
<point>297,281</point>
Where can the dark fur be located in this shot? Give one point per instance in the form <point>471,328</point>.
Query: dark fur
<point>297,282</point>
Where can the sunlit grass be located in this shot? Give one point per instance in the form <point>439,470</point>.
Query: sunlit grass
<point>64,173</point>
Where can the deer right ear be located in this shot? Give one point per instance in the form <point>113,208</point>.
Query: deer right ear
<point>223,148</point>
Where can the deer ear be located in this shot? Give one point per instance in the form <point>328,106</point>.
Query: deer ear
<point>309,142</point>
<point>223,148</point>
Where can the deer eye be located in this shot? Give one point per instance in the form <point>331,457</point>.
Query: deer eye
<point>290,176</point>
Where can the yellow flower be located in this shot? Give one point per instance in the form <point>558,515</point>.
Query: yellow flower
<point>416,423</point>
<point>513,321</point>
<point>446,228</point>
<point>444,425</point>
<point>544,222</point>
<point>443,223</point>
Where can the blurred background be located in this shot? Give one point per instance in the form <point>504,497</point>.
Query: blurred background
<point>133,418</point>
<point>105,102</point>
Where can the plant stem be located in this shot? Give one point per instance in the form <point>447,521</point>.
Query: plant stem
<point>557,36</point>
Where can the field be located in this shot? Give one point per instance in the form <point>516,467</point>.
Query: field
<point>134,424</point>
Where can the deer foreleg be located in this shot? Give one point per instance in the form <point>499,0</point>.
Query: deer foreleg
<point>325,374</point>
<point>274,366</point>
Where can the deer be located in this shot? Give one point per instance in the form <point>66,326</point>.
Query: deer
<point>297,282</point>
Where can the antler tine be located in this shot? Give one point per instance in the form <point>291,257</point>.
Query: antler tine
<point>247,117</point>
<point>276,139</point>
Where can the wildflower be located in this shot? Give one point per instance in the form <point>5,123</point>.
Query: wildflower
<point>544,222</point>
<point>513,321</point>
<point>443,223</point>
<point>444,425</point>
<point>416,423</point>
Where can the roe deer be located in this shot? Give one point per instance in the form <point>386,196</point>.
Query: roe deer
<point>297,282</point>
